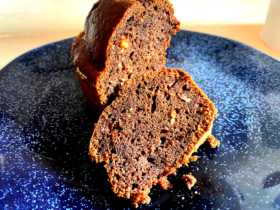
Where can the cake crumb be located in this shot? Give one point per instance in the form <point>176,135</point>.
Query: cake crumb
<point>164,183</point>
<point>193,159</point>
<point>190,180</point>
<point>213,142</point>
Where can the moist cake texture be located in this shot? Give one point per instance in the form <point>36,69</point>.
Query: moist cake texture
<point>152,127</point>
<point>123,39</point>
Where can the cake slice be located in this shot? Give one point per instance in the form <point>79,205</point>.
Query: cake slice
<point>123,39</point>
<point>153,127</point>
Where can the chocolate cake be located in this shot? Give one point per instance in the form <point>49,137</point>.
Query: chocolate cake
<point>152,127</point>
<point>123,39</point>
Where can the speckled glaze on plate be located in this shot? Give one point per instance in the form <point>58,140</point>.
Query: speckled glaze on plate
<point>45,128</point>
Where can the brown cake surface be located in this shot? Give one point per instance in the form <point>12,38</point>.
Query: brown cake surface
<point>123,39</point>
<point>153,127</point>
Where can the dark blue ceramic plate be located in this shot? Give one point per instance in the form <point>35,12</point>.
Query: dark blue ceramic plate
<point>45,127</point>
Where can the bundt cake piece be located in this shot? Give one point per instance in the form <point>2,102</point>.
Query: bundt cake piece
<point>123,39</point>
<point>152,127</point>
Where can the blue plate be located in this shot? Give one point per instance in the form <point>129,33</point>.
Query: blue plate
<point>45,128</point>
